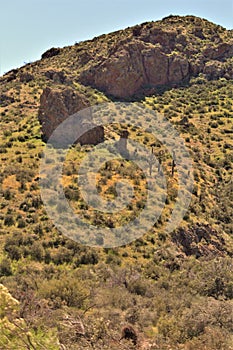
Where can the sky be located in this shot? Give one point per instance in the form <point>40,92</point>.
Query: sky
<point>30,27</point>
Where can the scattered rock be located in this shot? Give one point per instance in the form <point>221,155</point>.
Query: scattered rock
<point>184,121</point>
<point>84,57</point>
<point>221,51</point>
<point>214,70</point>
<point>198,32</point>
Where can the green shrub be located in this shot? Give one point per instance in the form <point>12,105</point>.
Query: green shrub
<point>5,267</point>
<point>65,291</point>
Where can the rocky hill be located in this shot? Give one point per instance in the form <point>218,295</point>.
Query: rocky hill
<point>158,54</point>
<point>162,291</point>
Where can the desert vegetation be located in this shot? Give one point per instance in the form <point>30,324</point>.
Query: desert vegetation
<point>162,291</point>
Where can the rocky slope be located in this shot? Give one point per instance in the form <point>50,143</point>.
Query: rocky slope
<point>172,291</point>
<point>133,62</point>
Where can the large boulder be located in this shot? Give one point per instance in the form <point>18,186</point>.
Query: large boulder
<point>58,104</point>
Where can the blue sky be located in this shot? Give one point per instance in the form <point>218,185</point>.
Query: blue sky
<point>30,27</point>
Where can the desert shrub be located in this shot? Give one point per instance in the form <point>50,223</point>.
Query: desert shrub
<point>61,255</point>
<point>37,251</point>
<point>193,319</point>
<point>21,223</point>
<point>213,338</point>
<point>64,291</point>
<point>213,125</point>
<point>8,194</point>
<point>25,175</point>
<point>214,279</point>
<point>9,220</point>
<point>38,230</point>
<point>14,252</point>
<point>71,193</point>
<point>87,258</point>
<point>5,267</point>
<point>16,332</point>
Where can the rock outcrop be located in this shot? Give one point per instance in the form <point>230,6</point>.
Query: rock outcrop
<point>58,77</point>
<point>135,66</point>
<point>156,55</point>
<point>199,240</point>
<point>54,51</point>
<point>58,104</point>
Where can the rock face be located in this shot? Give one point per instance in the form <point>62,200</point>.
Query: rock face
<point>58,104</point>
<point>154,56</point>
<point>200,240</point>
<point>135,66</point>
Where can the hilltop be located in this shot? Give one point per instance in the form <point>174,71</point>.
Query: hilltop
<point>174,289</point>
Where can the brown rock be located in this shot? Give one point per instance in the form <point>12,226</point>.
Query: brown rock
<point>198,32</point>
<point>84,57</point>
<point>153,55</point>
<point>156,67</point>
<point>179,69</point>
<point>58,77</point>
<point>58,104</point>
<point>214,69</point>
<point>134,66</point>
<point>165,38</point>
<point>121,75</point>
<point>220,51</point>
<point>196,67</point>
<point>199,240</point>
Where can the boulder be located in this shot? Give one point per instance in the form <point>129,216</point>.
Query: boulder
<point>58,104</point>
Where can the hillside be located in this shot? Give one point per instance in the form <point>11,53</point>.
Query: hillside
<point>175,289</point>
